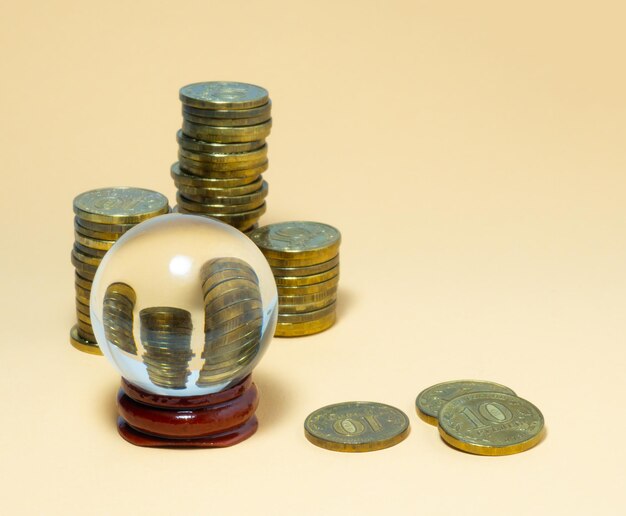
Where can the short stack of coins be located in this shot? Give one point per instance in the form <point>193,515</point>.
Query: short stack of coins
<point>222,152</point>
<point>102,217</point>
<point>304,258</point>
<point>166,337</point>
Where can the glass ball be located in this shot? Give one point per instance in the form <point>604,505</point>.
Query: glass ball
<point>184,305</point>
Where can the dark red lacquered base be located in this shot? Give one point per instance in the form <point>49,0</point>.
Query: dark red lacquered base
<point>208,421</point>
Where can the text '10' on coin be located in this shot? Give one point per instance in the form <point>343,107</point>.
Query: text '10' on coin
<point>491,423</point>
<point>356,426</point>
<point>430,400</point>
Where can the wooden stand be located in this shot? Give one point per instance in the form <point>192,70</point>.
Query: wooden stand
<point>208,421</point>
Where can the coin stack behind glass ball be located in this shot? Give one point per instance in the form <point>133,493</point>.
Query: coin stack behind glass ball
<point>222,152</point>
<point>304,257</point>
<point>102,216</point>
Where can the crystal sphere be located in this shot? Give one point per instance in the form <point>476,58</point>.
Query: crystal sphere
<point>184,305</point>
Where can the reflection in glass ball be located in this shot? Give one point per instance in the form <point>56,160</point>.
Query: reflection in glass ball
<point>184,305</point>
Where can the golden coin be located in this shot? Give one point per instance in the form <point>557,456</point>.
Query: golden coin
<point>312,279</point>
<point>226,122</point>
<point>104,245</point>
<point>306,271</point>
<point>99,235</point>
<point>199,170</point>
<point>83,344</point>
<point>235,218</point>
<point>89,251</point>
<point>183,178</point>
<point>301,329</point>
<point>104,228</point>
<point>491,423</point>
<point>356,426</point>
<point>305,317</point>
<point>188,143</point>
<point>86,334</point>
<point>259,154</point>
<point>86,328</point>
<point>82,282</point>
<point>121,205</point>
<point>209,194</point>
<point>85,270</point>
<point>313,288</point>
<point>297,308</point>
<point>429,402</point>
<point>223,95</point>
<point>227,134</point>
<point>307,298</point>
<point>223,166</point>
<point>297,243</point>
<point>228,114</point>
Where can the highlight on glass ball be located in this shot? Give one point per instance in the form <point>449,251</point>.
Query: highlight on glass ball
<point>184,307</point>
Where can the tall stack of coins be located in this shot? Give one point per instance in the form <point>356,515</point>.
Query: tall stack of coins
<point>102,216</point>
<point>233,319</point>
<point>222,152</point>
<point>304,257</point>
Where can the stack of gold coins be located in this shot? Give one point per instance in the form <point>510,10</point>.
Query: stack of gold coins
<point>304,257</point>
<point>102,216</point>
<point>222,152</point>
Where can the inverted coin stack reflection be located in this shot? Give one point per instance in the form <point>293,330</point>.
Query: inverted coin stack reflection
<point>222,152</point>
<point>102,217</point>
<point>233,318</point>
<point>166,337</point>
<point>304,258</point>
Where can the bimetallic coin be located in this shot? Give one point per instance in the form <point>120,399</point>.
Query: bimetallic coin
<point>82,344</point>
<point>229,114</point>
<point>429,402</point>
<point>227,134</point>
<point>297,241</point>
<point>226,122</point>
<point>223,95</point>
<point>356,426</point>
<point>188,143</point>
<point>121,205</point>
<point>491,423</point>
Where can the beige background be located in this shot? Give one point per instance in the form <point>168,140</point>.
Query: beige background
<point>471,153</point>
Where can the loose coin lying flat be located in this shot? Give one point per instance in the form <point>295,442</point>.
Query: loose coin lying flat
<point>430,400</point>
<point>491,423</point>
<point>356,426</point>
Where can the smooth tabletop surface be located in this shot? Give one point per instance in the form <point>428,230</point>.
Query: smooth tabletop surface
<point>472,155</point>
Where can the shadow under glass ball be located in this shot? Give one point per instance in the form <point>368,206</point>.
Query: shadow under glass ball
<point>184,305</point>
